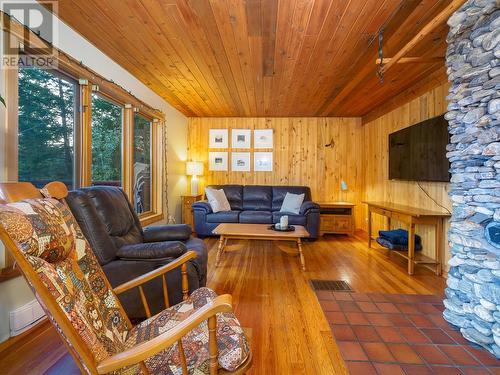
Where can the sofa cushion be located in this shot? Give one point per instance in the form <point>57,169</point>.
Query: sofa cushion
<point>292,219</point>
<point>257,198</point>
<point>279,193</point>
<point>256,217</point>
<point>223,217</point>
<point>234,194</point>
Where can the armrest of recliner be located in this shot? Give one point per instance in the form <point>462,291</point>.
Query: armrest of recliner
<point>202,206</point>
<point>308,206</point>
<point>146,251</point>
<point>169,232</point>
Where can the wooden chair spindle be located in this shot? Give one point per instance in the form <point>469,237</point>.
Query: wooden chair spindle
<point>144,302</point>
<point>165,291</point>
<point>185,282</point>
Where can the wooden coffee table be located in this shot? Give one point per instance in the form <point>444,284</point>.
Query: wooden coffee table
<point>258,232</point>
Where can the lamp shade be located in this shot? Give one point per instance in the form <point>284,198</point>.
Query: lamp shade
<point>194,168</point>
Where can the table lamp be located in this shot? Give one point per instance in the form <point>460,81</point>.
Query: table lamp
<point>194,169</point>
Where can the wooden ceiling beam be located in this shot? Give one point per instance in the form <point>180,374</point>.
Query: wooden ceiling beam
<point>412,60</point>
<point>361,70</point>
<point>431,81</point>
<point>426,30</point>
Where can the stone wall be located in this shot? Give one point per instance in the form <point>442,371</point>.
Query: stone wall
<point>473,293</point>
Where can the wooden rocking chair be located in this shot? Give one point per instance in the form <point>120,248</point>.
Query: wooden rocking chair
<point>200,335</point>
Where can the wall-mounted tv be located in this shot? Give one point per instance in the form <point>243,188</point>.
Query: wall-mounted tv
<point>418,153</point>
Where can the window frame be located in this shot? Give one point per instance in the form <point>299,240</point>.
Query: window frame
<point>151,162</point>
<point>156,211</point>
<point>86,78</point>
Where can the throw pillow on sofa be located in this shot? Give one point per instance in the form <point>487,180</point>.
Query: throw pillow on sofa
<point>292,203</point>
<point>217,200</point>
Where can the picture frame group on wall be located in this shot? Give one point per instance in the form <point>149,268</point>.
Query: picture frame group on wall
<point>241,139</point>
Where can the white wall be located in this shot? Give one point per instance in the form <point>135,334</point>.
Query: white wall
<point>15,293</point>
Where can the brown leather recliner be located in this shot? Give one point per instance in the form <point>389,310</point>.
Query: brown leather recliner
<point>125,250</point>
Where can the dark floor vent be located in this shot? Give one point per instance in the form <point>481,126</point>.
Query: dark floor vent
<point>333,285</point>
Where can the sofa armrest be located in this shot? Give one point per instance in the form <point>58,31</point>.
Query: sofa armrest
<point>152,251</point>
<point>170,232</point>
<point>202,206</point>
<point>308,206</point>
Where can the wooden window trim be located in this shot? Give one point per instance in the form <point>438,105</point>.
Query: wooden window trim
<point>156,212</point>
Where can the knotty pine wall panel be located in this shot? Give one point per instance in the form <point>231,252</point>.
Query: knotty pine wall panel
<point>300,155</point>
<point>377,186</point>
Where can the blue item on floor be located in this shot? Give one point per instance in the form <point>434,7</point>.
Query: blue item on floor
<point>391,246</point>
<point>398,237</point>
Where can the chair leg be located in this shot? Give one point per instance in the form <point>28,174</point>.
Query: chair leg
<point>212,345</point>
<point>220,250</point>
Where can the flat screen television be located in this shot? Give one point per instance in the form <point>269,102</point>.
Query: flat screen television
<point>418,153</point>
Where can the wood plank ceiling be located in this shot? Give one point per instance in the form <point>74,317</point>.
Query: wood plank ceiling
<point>263,57</point>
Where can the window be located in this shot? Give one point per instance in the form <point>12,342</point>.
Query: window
<point>142,164</point>
<point>106,142</point>
<point>47,115</point>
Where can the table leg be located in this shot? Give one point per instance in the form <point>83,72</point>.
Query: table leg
<point>369,227</point>
<point>438,245</point>
<point>411,249</point>
<point>302,260</point>
<point>220,250</point>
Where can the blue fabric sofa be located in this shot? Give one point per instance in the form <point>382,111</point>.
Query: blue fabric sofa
<point>257,205</point>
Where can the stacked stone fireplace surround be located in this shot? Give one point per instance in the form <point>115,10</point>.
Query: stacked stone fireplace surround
<point>473,285</point>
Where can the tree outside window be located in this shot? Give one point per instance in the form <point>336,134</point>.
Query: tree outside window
<point>47,102</point>
<point>106,142</point>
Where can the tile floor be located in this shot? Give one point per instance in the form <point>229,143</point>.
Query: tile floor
<point>400,334</point>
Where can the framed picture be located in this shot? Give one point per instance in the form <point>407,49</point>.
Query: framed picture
<point>217,161</point>
<point>240,138</point>
<point>263,161</point>
<point>263,138</point>
<point>240,162</point>
<point>218,138</point>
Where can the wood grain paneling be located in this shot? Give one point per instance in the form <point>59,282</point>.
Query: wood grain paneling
<point>300,155</point>
<point>263,57</point>
<point>377,186</point>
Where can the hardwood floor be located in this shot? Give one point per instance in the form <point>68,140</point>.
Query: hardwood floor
<point>273,301</point>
